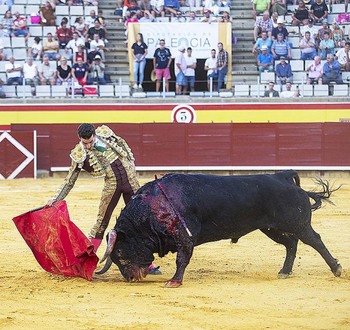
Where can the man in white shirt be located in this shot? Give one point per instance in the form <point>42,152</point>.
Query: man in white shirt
<point>288,92</point>
<point>191,63</point>
<point>210,67</point>
<point>90,20</point>
<point>14,72</point>
<point>180,70</point>
<point>98,45</point>
<point>343,56</point>
<point>30,72</point>
<point>73,45</point>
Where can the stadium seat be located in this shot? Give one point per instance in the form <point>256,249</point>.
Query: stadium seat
<point>257,90</point>
<point>62,11</point>
<point>306,90</point>
<point>320,90</point>
<point>21,2</point>
<point>19,53</point>
<point>242,90</point>
<point>299,77</point>
<point>338,8</point>
<point>19,8</point>
<point>224,94</point>
<point>18,42</point>
<point>3,10</point>
<point>295,52</point>
<point>295,40</point>
<point>7,42</point>
<point>345,76</point>
<point>212,94</point>
<point>76,11</point>
<point>49,29</point>
<point>139,95</point>
<point>7,52</point>
<point>43,91</point>
<point>24,91</point>
<point>297,65</point>
<point>122,91</point>
<point>341,90</point>
<point>36,31</point>
<point>10,91</point>
<point>266,77</point>
<point>153,94</point>
<point>58,91</point>
<point>196,94</point>
<point>2,66</point>
<point>87,10</point>
<point>106,90</point>
<point>31,9</point>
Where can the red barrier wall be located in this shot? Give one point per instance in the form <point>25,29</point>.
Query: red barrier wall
<point>299,144</point>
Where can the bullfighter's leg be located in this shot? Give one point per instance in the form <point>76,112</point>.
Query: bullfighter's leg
<point>291,244</point>
<point>310,237</point>
<point>183,257</point>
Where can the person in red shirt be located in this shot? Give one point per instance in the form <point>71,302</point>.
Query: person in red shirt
<point>63,35</point>
<point>19,27</point>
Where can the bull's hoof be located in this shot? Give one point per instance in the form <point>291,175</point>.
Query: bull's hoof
<point>173,284</point>
<point>283,275</point>
<point>338,271</point>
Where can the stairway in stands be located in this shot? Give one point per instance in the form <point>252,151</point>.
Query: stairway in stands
<point>243,61</point>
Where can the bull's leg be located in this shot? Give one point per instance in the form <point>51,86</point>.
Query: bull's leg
<point>310,237</point>
<point>183,257</point>
<point>291,244</point>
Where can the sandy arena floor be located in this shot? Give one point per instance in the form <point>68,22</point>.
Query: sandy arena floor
<point>225,286</point>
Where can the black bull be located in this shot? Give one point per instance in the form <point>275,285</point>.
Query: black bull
<point>179,211</point>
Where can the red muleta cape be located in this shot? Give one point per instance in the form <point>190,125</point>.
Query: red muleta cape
<point>57,243</point>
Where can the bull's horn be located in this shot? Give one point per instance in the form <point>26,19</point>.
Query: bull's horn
<point>112,236</point>
<point>106,266</point>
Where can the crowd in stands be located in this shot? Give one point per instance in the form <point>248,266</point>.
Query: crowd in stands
<point>318,38</point>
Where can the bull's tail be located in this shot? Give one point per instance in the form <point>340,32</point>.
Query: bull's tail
<point>321,196</point>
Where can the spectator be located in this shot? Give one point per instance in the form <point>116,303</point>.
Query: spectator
<point>180,70</point>
<point>301,14</point>
<point>190,74</point>
<point>30,72</point>
<point>307,47</point>
<point>157,6</point>
<point>6,24</point>
<point>161,63</point>
<point>90,20</point>
<point>97,71</point>
<point>47,15</point>
<point>208,17</point>
<point>260,6</point>
<point>171,6</point>
<point>311,28</point>
<point>288,92</point>
<point>263,23</point>
<point>226,17</point>
<point>325,28</point>
<point>315,71</point>
<point>274,19</point>
<point>147,17</point>
<point>51,48</point>
<point>331,71</point>
<point>133,8</point>
<point>145,5</point>
<point>63,35</point>
<point>265,60</point>
<point>281,47</point>
<point>279,29</point>
<point>337,35</point>
<point>79,27</point>
<point>35,49</point>
<point>192,17</point>
<point>139,50</point>
<point>90,3</point>
<point>279,6</point>
<point>80,54</point>
<point>96,29</point>
<point>319,11</point>
<point>19,27</point>
<point>102,19</point>
<point>342,57</point>
<point>73,44</point>
<point>283,72</point>
<point>63,73</point>
<point>126,5</point>
<point>262,41</point>
<point>47,73</point>
<point>178,18</point>
<point>80,72</point>
<point>326,46</point>
<point>96,46</point>
<point>2,55</point>
<point>13,72</point>
<point>210,66</point>
<point>222,65</point>
<point>271,92</point>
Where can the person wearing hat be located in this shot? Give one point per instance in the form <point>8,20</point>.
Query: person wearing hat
<point>301,14</point>
<point>319,11</point>
<point>97,72</point>
<point>180,70</point>
<point>278,6</point>
<point>279,29</point>
<point>265,60</point>
<point>283,72</point>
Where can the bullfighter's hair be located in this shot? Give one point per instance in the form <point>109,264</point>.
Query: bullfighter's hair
<point>85,131</point>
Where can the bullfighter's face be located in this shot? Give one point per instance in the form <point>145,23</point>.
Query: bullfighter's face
<point>132,261</point>
<point>88,143</point>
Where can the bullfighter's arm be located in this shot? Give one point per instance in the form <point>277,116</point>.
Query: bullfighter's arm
<point>122,143</point>
<point>68,183</point>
